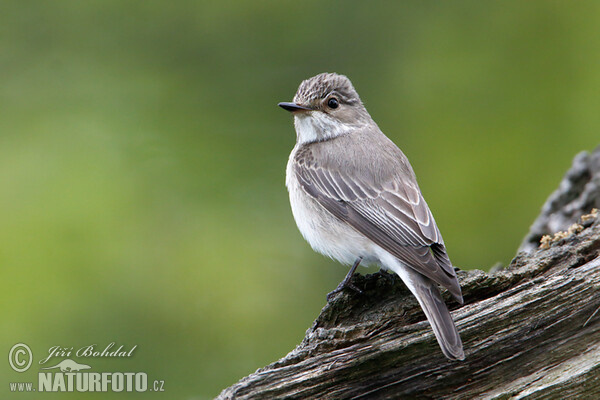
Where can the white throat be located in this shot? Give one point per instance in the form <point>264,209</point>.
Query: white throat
<point>318,126</point>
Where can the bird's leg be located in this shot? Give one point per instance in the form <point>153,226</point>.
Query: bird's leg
<point>346,283</point>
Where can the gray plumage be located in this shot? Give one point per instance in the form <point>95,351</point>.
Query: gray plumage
<point>354,194</point>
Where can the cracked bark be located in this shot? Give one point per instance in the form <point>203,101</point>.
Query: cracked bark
<point>530,331</point>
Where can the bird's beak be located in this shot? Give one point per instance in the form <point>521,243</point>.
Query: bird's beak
<point>293,107</point>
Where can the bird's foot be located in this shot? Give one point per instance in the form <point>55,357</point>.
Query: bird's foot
<point>343,284</point>
<point>386,275</point>
<point>347,282</point>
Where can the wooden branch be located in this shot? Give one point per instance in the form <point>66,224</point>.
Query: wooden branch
<point>577,194</point>
<point>529,331</point>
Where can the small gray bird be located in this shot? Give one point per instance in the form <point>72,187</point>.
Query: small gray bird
<point>355,198</point>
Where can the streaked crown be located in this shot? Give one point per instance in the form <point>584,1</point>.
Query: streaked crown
<point>320,86</point>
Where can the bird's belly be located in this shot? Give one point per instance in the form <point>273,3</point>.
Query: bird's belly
<point>325,233</point>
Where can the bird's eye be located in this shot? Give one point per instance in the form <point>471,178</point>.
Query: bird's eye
<point>333,103</point>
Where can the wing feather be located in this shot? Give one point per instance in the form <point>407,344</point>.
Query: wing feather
<point>394,215</point>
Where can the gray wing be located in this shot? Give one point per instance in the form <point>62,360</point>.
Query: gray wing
<point>392,213</point>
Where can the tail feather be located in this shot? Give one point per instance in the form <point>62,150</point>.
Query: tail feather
<point>436,311</point>
<point>439,317</point>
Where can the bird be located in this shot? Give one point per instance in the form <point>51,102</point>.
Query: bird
<point>355,198</point>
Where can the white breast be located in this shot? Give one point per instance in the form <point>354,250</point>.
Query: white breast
<point>325,233</point>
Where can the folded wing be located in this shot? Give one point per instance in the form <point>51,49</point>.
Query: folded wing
<point>392,213</point>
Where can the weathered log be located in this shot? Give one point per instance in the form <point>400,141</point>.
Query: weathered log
<point>577,194</point>
<point>529,331</point>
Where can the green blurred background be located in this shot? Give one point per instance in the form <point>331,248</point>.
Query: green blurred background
<point>142,160</point>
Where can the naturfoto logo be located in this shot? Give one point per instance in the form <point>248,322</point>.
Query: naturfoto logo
<point>68,375</point>
<point>69,366</point>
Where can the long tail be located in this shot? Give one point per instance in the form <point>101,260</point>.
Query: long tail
<point>439,317</point>
<point>430,299</point>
